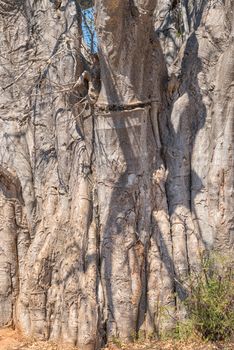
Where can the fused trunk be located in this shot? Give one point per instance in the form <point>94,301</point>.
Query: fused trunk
<point>110,194</point>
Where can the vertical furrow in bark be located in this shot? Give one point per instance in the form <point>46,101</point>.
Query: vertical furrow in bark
<point>11,202</point>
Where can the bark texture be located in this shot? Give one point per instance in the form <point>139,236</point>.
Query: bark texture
<point>111,186</point>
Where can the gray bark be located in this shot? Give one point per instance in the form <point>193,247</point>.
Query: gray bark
<point>107,202</point>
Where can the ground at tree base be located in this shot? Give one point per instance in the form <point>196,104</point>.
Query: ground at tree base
<point>13,340</point>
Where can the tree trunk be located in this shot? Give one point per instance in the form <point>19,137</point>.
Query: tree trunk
<point>106,207</point>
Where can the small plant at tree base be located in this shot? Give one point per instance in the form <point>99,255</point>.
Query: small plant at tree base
<point>116,341</point>
<point>210,303</point>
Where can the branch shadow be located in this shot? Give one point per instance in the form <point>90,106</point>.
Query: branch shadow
<point>197,123</point>
<point>183,182</point>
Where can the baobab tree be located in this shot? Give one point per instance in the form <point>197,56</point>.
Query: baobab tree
<point>116,168</point>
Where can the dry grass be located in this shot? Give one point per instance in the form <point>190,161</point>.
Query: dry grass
<point>14,340</point>
<point>179,345</point>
